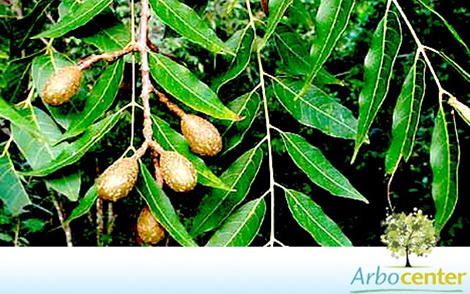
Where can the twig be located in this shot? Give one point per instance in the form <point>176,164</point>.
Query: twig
<point>152,46</point>
<point>144,69</point>
<point>111,218</point>
<point>17,233</point>
<point>63,223</point>
<point>99,221</point>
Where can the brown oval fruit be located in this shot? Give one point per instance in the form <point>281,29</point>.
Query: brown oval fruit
<point>62,85</point>
<point>118,179</point>
<point>148,228</point>
<point>202,136</point>
<point>177,171</point>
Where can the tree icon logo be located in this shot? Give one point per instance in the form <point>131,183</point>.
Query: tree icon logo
<point>407,234</point>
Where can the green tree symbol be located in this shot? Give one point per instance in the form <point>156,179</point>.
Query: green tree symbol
<point>407,234</point>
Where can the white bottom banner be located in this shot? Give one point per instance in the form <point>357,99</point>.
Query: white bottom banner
<point>230,270</point>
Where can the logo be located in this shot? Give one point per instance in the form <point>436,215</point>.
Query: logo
<point>406,278</point>
<point>405,235</point>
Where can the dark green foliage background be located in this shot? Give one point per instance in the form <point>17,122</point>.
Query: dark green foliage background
<point>359,221</point>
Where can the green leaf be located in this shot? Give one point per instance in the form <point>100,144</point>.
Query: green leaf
<point>296,58</point>
<point>406,116</point>
<point>33,225</point>
<point>85,204</point>
<point>312,162</point>
<point>9,113</point>
<point>239,62</point>
<point>448,26</point>
<point>99,100</point>
<point>161,207</point>
<point>277,8</point>
<point>78,148</point>
<point>21,30</point>
<point>316,109</point>
<point>40,153</point>
<point>445,159</point>
<point>332,20</point>
<point>66,183</point>
<point>13,193</point>
<point>455,65</point>
<point>299,12</point>
<point>42,69</point>
<point>246,106</point>
<point>76,17</point>
<point>6,238</point>
<point>241,227</point>
<point>311,217</point>
<point>217,206</point>
<point>184,20</point>
<point>292,51</point>
<point>378,68</point>
<point>170,139</point>
<point>187,88</point>
<point>14,80</point>
<point>111,38</point>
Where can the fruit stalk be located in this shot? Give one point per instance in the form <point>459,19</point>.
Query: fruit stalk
<point>108,56</point>
<point>171,106</point>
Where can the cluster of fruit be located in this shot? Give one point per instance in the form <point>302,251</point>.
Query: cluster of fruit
<point>119,179</point>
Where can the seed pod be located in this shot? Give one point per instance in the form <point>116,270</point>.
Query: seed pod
<point>462,109</point>
<point>62,85</point>
<point>177,171</point>
<point>202,136</point>
<point>118,179</point>
<point>148,228</point>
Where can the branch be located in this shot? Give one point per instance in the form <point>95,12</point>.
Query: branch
<point>63,223</point>
<point>145,71</point>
